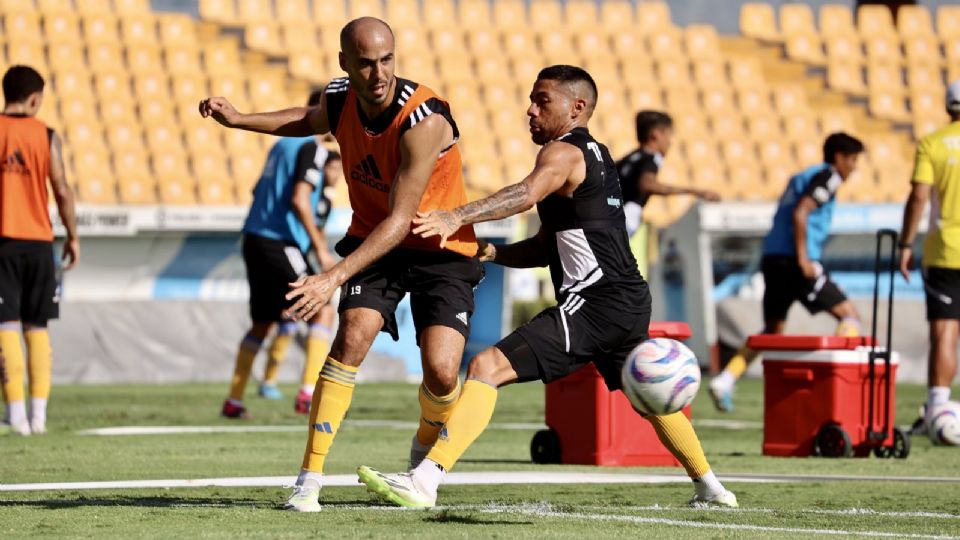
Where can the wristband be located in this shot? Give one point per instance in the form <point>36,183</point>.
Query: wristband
<point>905,245</point>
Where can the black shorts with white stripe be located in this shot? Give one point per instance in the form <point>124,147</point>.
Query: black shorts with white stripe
<point>271,266</point>
<point>565,337</point>
<point>942,288</point>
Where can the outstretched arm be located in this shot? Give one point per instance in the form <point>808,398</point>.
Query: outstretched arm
<point>555,164</point>
<point>294,122</point>
<point>650,183</point>
<point>419,149</point>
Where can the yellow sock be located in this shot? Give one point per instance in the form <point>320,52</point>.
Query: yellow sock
<point>741,361</point>
<point>848,327</point>
<point>318,346</point>
<point>676,433</point>
<point>13,364</point>
<point>434,412</point>
<point>468,419</point>
<point>331,399</point>
<point>248,350</point>
<point>39,362</point>
<point>278,351</point>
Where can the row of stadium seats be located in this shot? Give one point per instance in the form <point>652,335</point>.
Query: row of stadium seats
<point>117,7</point>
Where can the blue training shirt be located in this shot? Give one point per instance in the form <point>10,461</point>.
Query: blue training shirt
<point>271,213</point>
<point>820,182</point>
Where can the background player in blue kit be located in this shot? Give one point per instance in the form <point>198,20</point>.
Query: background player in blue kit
<point>792,251</point>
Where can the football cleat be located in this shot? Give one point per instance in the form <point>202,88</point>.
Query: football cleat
<point>399,488</point>
<point>721,395</point>
<point>270,391</point>
<point>230,410</point>
<point>919,426</point>
<point>725,499</point>
<point>301,405</point>
<point>305,498</point>
<point>20,428</point>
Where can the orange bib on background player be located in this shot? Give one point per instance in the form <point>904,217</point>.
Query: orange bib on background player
<point>371,159</point>
<point>24,168</point>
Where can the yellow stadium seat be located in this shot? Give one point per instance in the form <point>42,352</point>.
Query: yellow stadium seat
<point>221,56</point>
<point>717,99</point>
<point>101,28</point>
<point>726,125</point>
<point>654,15</point>
<point>439,13</point>
<point>55,6</point>
<point>763,126</point>
<point>701,41</point>
<point>307,65</point>
<point>77,108</point>
<point>139,30</point>
<point>672,73</point>
<point>581,13</point>
<point>556,42</point>
<point>265,86</point>
<point>835,119</point>
<point>365,8</point>
<point>164,137</point>
<point>205,138</point>
<point>16,5</point>
<point>30,53</point>
<point>518,43</point>
<point>796,19</point>
<point>90,7</point>
<point>454,68</point>
<point>875,19</point>
<point>421,68</point>
<point>546,14</point>
<point>117,111</point>
<point>123,135</point>
<point>508,14</point>
<point>746,72</point>
<point>798,127</point>
<point>411,40</point>
<point>757,21</point>
<point>445,40</point>
<point>843,47</point>
<point>61,27</point>
<point>809,151</point>
<point>298,36</point>
<point>925,125</point>
<point>789,98</point>
<point>64,56</point>
<point>84,136</point>
<point>181,60</point>
<point>462,93</point>
<point>925,77</point>
<point>96,185</point>
<point>176,187</point>
<point>484,42</point>
<point>774,150</point>
<point>948,20</point>
<point>249,11</point>
<point>131,8</point>
<point>927,104</point>
<point>888,105</point>
<point>636,72</point>
<point>21,26</point>
<point>263,36</point>
<point>137,186</point>
<point>710,73</point>
<point>745,179</point>
<point>836,20</point>
<point>75,81</point>
<point>473,13</point>
<point>215,191</point>
<point>664,43</point>
<point>617,14</point>
<point>644,98</point>
<point>219,11</point>
<point>753,100</point>
<point>112,85</point>
<point>129,160</point>
<point>914,20</point>
<point>403,13</point>
<point>884,149</point>
<point>292,10</point>
<point>104,56</point>
<point>883,48</point>
<point>805,48</point>
<point>590,42</point>
<point>231,86</point>
<point>89,158</point>
<point>923,50</point>
<point>241,142</point>
<point>883,76</point>
<point>176,29</point>
<point>681,100</point>
<point>628,44</point>
<point>155,110</point>
<point>846,77</point>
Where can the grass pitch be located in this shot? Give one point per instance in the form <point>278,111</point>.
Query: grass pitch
<point>889,508</point>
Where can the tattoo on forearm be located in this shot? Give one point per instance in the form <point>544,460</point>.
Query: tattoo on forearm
<point>506,202</point>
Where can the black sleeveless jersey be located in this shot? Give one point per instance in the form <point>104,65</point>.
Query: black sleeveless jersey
<point>590,254</point>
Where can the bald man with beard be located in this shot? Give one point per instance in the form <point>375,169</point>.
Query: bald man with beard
<point>400,155</point>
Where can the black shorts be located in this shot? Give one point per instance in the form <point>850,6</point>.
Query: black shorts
<point>784,283</point>
<point>271,266</point>
<point>563,338</point>
<point>440,284</point>
<point>29,291</point>
<point>942,288</point>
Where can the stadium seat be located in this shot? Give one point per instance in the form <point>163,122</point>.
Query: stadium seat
<point>884,76</point>
<point>809,151</point>
<point>757,21</point>
<point>654,15</point>
<point>805,48</point>
<point>220,57</point>
<point>726,125</point>
<point>717,99</point>
<point>155,110</point>
<point>789,98</point>
<point>176,29</point>
<point>298,36</point>
<point>30,53</point>
<point>846,77</point>
<point>923,50</point>
<point>875,20</point>
<point>16,5</point>
<point>439,13</point>
<point>664,43</point>
<point>403,13</point>
<point>181,60</point>
<point>836,20</point>
<point>411,40</point>
<point>914,21</point>
<point>556,42</point>
<point>796,19</point>
<point>636,72</point>
<point>948,20</point>
<point>97,185</point>
<point>105,56</point>
<point>484,42</point>
<point>64,56</point>
<point>753,100</point>
<point>617,15</point>
<point>927,104</point>
<point>421,68</point>
<point>832,120</point>
<point>746,72</point>
<point>365,8</point>
<point>219,11</point>
<point>137,186</point>
<point>93,7</point>
<point>263,36</point>
<point>131,8</point>
<point>763,127</point>
<point>701,41</point>
<point>774,150</point>
<point>117,111</point>
<point>77,108</point>
<point>672,74</point>
<point>924,77</point>
<point>75,81</point>
<point>112,85</point>
<point>888,105</point>
<point>217,190</point>
<point>509,14</point>
<point>473,13</point>
<point>581,13</point>
<point>164,137</point>
<point>592,43</point>
<point>644,98</point>
<point>518,43</point>
<point>292,10</point>
<point>61,27</point>
<point>844,47</point>
<point>21,26</point>
<point>124,135</point>
<point>800,127</point>
<point>309,66</point>
<point>176,187</point>
<point>54,6</point>
<point>923,125</point>
<point>249,11</point>
<point>883,48</point>
<point>627,43</point>
<point>139,30</point>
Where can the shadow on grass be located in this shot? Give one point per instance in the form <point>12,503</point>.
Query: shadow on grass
<point>446,516</point>
<point>158,502</point>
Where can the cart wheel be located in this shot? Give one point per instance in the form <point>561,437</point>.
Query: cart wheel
<point>832,441</point>
<point>901,443</point>
<point>545,447</point>
<point>883,451</point>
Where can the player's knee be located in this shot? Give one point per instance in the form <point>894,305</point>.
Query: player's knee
<point>491,367</point>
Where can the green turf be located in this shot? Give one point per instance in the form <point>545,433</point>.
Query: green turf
<point>557,511</point>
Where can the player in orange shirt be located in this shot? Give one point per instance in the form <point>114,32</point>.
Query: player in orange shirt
<point>30,153</point>
<point>398,140</point>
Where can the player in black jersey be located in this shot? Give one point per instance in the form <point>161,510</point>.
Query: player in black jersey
<point>638,170</point>
<point>603,306</point>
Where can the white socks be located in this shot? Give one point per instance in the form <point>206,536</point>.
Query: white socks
<point>937,395</point>
<point>428,475</point>
<point>309,476</point>
<point>707,486</point>
<point>38,410</point>
<point>17,412</point>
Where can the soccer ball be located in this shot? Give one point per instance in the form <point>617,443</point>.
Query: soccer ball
<point>943,424</point>
<point>661,376</point>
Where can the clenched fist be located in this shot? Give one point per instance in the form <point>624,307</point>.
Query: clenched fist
<point>220,109</point>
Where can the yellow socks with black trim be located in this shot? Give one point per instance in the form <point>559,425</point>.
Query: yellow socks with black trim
<point>434,412</point>
<point>676,433</point>
<point>248,350</point>
<point>467,420</point>
<point>318,346</point>
<point>331,399</point>
<point>278,351</point>
<point>14,369</point>
<point>39,368</point>
<point>740,362</point>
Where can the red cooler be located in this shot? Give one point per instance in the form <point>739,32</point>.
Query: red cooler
<point>589,425</point>
<point>818,398</point>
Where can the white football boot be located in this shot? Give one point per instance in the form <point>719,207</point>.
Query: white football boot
<point>305,498</point>
<point>399,488</point>
<point>725,499</point>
